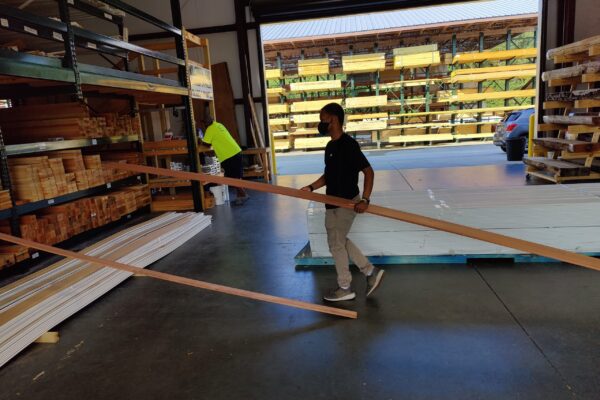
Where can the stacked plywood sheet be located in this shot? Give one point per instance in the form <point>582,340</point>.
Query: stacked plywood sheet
<point>38,123</point>
<point>363,63</point>
<point>316,66</point>
<point>35,304</point>
<point>566,217</point>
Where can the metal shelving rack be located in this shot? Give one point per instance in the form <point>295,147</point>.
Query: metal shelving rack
<point>69,76</point>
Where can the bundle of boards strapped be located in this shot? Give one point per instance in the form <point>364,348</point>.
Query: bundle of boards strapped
<point>46,122</point>
<point>58,223</point>
<point>56,174</point>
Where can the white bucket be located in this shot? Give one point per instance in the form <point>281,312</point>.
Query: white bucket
<point>217,191</point>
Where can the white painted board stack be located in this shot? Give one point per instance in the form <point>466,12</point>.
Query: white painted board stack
<point>563,216</point>
<point>35,304</point>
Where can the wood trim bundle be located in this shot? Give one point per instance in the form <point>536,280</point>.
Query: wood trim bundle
<point>478,234</point>
<point>40,301</point>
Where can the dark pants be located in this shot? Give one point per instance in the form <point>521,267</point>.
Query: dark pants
<point>233,167</point>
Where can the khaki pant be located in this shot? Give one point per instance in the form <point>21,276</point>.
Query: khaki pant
<point>338,222</point>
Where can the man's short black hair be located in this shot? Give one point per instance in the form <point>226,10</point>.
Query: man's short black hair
<point>336,110</point>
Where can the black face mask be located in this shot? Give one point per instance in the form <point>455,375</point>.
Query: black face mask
<point>323,128</point>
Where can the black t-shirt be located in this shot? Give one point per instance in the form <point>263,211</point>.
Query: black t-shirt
<point>343,161</point>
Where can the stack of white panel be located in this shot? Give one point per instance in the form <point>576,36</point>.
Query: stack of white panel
<point>40,301</point>
<point>562,216</point>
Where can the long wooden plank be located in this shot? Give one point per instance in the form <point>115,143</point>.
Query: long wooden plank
<point>466,111</point>
<point>571,72</point>
<point>478,234</point>
<point>316,86</point>
<point>572,119</point>
<point>490,76</point>
<point>179,279</point>
<point>573,48</point>
<point>467,97</point>
<point>465,58</point>
<point>574,146</point>
<point>502,68</point>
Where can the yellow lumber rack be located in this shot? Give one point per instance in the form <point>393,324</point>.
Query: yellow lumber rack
<point>466,58</point>
<point>316,66</point>
<point>363,63</point>
<point>315,105</point>
<point>316,86</point>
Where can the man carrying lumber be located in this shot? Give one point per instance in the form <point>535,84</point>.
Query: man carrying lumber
<point>343,161</point>
<point>228,152</point>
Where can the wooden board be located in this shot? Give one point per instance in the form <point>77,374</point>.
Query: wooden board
<point>573,48</point>
<point>363,63</point>
<point>410,83</point>
<point>366,101</point>
<point>279,121</point>
<point>314,105</point>
<point>471,97</point>
<point>278,108</point>
<point>559,168</point>
<point>571,72</point>
<point>426,48</point>
<point>316,66</point>
<point>462,230</point>
<point>316,86</point>
<point>466,58</point>
<point>463,112</point>
<point>354,117</point>
<point>359,126</point>
<point>417,60</point>
<point>485,70</point>
<point>490,76</point>
<point>574,146</point>
<point>311,143</point>
<point>224,99</point>
<point>306,118</point>
<point>273,73</point>
<point>572,119</point>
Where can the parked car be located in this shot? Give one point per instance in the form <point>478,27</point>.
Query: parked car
<point>514,125</point>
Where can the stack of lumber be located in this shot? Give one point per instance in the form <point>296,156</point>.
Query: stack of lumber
<point>416,57</point>
<point>276,73</point>
<point>316,86</point>
<point>366,101</point>
<point>35,304</point>
<point>56,224</point>
<point>5,200</point>
<point>38,123</point>
<point>11,254</point>
<point>568,144</point>
<point>363,63</point>
<point>316,66</point>
<point>493,73</point>
<point>561,216</point>
<point>278,108</point>
<point>314,105</point>
<point>59,173</point>
<point>499,55</point>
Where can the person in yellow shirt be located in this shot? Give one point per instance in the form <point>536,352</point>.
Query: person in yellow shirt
<point>228,152</point>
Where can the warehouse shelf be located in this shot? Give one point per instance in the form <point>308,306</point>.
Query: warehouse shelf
<point>41,147</point>
<point>94,191</point>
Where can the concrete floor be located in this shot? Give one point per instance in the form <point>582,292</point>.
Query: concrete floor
<point>480,331</point>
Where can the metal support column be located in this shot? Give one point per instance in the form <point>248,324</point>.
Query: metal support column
<point>507,81</point>
<point>480,84</point>
<point>70,58</point>
<point>15,228</point>
<point>189,122</point>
